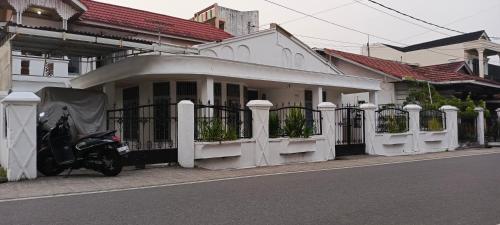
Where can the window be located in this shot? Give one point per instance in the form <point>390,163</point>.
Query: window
<point>131,113</point>
<point>233,95</point>
<point>74,65</point>
<point>162,111</point>
<point>187,91</point>
<point>324,96</point>
<point>48,71</point>
<point>25,67</point>
<point>217,94</point>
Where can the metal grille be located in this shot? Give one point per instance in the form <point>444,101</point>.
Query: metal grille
<point>220,123</point>
<point>467,130</point>
<point>432,120</point>
<point>392,120</point>
<point>350,126</point>
<point>493,128</point>
<point>280,121</point>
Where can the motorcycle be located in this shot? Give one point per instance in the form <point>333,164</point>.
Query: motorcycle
<point>56,152</point>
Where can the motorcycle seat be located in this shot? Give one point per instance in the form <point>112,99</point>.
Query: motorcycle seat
<point>95,135</point>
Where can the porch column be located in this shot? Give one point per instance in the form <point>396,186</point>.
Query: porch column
<point>373,97</point>
<point>451,113</point>
<point>328,128</point>
<point>110,91</point>
<point>370,130</point>
<point>18,140</point>
<point>480,125</point>
<point>317,96</point>
<point>260,130</point>
<point>480,53</point>
<point>414,127</point>
<point>186,133</point>
<point>207,91</point>
<point>498,114</point>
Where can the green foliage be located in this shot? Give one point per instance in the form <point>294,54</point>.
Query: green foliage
<point>3,173</point>
<point>419,94</point>
<point>296,124</point>
<point>435,124</point>
<point>214,130</point>
<point>274,125</point>
<point>395,126</point>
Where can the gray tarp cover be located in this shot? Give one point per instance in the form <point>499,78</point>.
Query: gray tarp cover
<point>87,108</point>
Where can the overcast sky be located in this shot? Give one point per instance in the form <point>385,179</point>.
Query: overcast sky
<point>462,15</point>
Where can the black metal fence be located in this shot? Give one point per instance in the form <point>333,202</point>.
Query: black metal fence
<point>150,131</point>
<point>349,127</point>
<point>392,120</point>
<point>432,120</point>
<point>294,121</point>
<point>467,130</point>
<point>222,123</point>
<point>492,129</point>
<point>146,127</point>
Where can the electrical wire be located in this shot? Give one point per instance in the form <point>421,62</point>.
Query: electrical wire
<point>355,30</point>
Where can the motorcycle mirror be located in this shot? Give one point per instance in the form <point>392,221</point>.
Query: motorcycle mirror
<point>42,114</point>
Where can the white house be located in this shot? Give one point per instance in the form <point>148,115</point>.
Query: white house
<point>46,43</point>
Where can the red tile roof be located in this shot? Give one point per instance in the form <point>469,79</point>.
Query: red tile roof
<point>437,73</point>
<point>147,21</point>
<point>389,67</point>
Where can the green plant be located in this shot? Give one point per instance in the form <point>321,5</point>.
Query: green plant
<point>214,130</point>
<point>395,126</point>
<point>435,124</point>
<point>3,173</point>
<point>296,124</point>
<point>274,125</point>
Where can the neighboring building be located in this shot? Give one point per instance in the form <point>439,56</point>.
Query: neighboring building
<point>46,43</point>
<point>450,79</point>
<point>232,21</point>
<point>473,48</point>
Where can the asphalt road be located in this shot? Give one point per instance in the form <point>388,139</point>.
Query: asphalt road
<point>447,191</point>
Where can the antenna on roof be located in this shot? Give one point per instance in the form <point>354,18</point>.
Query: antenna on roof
<point>368,46</point>
<point>160,25</point>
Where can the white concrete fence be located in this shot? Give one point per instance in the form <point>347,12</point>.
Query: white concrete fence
<point>18,138</point>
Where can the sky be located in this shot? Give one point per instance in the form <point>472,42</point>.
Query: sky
<point>462,15</point>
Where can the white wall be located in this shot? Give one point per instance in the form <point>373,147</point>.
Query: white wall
<point>269,48</point>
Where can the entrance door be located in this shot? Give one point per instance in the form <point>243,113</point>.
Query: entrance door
<point>350,131</point>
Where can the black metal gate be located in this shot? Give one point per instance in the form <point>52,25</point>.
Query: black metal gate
<point>467,131</point>
<point>350,131</point>
<point>492,128</point>
<point>150,131</point>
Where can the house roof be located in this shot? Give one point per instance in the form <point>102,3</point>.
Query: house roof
<point>148,21</point>
<point>473,36</point>
<point>439,74</point>
<point>391,68</point>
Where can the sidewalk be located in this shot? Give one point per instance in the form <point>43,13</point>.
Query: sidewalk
<point>88,181</point>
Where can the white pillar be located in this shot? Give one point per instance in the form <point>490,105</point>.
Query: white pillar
<point>18,148</point>
<point>370,130</point>
<point>480,125</point>
<point>207,91</point>
<point>260,130</point>
<point>317,96</point>
<point>110,91</point>
<point>328,128</point>
<point>480,53</point>
<point>451,113</point>
<point>373,95</point>
<point>186,134</point>
<point>414,128</point>
<point>498,114</point>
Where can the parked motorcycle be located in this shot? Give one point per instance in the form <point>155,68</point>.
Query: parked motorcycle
<point>102,151</point>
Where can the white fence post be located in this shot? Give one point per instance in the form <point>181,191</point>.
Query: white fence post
<point>328,127</point>
<point>18,150</point>
<point>414,128</point>
<point>451,113</point>
<point>186,134</point>
<point>370,130</point>
<point>260,130</point>
<point>480,125</point>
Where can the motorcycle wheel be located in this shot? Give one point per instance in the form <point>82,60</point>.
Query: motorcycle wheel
<point>46,164</point>
<point>112,163</point>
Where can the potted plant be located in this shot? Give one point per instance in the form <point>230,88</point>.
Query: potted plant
<point>3,175</point>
